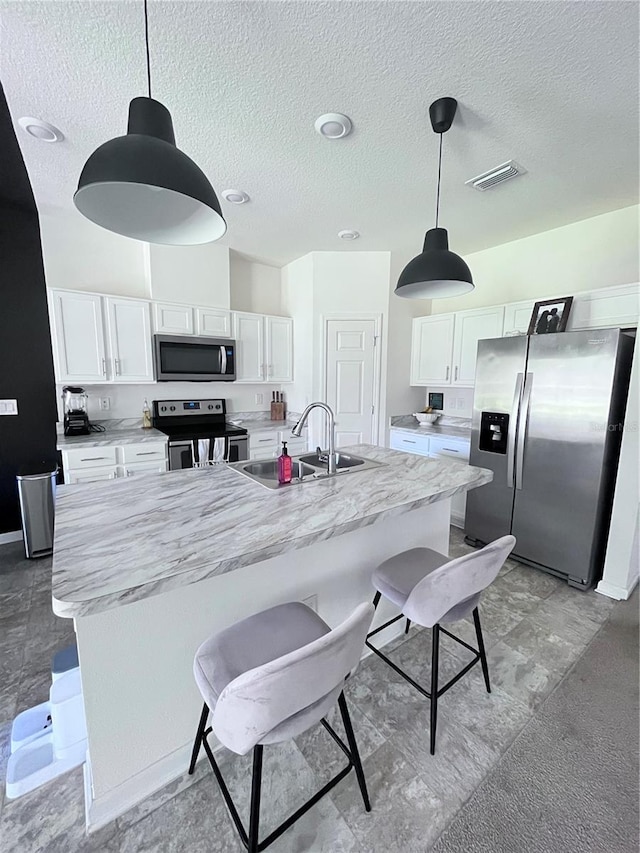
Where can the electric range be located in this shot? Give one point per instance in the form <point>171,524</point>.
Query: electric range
<point>199,433</point>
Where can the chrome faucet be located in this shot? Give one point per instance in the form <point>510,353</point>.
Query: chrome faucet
<point>332,459</point>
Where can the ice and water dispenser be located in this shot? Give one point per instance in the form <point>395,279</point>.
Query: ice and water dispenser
<point>494,428</point>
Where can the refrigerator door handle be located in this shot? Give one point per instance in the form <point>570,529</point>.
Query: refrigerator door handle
<point>523,423</point>
<point>511,437</point>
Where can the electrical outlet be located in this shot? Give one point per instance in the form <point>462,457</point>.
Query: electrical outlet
<point>312,602</point>
<point>259,399</point>
<point>8,407</point>
<point>104,403</point>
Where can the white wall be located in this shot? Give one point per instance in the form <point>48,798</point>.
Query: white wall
<point>621,561</point>
<point>401,398</point>
<point>79,255</point>
<point>587,255</point>
<point>127,400</point>
<point>297,302</point>
<point>198,275</point>
<point>255,287</point>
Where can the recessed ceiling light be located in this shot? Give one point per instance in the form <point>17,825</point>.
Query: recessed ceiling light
<point>348,234</point>
<point>42,130</point>
<point>235,196</point>
<point>333,125</point>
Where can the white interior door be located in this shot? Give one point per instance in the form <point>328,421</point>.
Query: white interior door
<point>351,378</point>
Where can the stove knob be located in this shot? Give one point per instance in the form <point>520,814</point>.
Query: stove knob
<point>163,408</point>
<point>173,408</point>
<point>211,405</point>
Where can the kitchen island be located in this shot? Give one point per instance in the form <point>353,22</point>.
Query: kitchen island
<point>149,568</point>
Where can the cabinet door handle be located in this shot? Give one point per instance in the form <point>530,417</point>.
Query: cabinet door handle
<point>265,441</point>
<point>447,376</point>
<point>104,366</point>
<point>407,441</point>
<point>147,453</point>
<point>451,450</point>
<point>456,376</point>
<point>116,361</point>
<point>92,458</point>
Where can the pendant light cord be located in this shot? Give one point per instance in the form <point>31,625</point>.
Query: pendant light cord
<point>146,39</point>
<point>439,173</point>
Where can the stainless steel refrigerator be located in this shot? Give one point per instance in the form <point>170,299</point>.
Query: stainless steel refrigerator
<point>548,412</point>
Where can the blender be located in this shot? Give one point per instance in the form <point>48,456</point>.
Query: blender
<point>76,419</point>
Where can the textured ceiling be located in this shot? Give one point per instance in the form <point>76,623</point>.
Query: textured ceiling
<point>553,85</point>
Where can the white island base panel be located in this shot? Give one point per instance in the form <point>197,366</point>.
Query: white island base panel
<point>142,704</point>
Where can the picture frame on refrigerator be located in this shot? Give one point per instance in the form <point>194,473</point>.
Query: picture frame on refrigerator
<point>550,316</point>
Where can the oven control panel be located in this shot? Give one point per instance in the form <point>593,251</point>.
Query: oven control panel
<point>173,408</point>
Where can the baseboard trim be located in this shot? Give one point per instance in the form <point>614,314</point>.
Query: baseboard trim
<point>13,536</point>
<point>620,593</point>
<point>105,809</point>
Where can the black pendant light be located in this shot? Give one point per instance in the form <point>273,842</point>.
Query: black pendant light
<point>436,272</point>
<point>142,186</point>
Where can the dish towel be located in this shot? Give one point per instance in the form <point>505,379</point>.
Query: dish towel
<point>219,448</point>
<point>203,452</point>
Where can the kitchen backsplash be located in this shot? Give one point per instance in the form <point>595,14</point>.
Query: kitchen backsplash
<point>126,401</point>
<point>458,402</point>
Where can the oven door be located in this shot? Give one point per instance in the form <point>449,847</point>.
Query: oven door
<point>237,448</point>
<point>194,359</point>
<point>180,455</point>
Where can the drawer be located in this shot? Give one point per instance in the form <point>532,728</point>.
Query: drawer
<point>264,439</point>
<point>450,447</point>
<point>409,443</point>
<point>88,457</point>
<point>131,453</point>
<point>149,467</point>
<point>90,475</point>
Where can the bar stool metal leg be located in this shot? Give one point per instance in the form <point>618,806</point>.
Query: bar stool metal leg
<point>199,737</point>
<point>376,599</point>
<point>407,626</point>
<point>353,747</point>
<point>435,649</point>
<point>254,816</point>
<point>483,654</point>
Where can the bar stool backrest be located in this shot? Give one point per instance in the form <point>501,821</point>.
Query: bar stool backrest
<point>456,581</point>
<point>263,699</point>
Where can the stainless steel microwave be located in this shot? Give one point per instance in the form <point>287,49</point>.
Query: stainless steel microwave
<point>182,358</point>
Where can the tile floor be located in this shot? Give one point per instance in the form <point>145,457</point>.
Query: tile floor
<point>535,628</point>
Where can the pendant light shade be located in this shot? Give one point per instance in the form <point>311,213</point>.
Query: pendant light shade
<point>142,186</point>
<point>436,272</point>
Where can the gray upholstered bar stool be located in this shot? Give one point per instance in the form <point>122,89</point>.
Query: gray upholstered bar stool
<point>267,679</point>
<point>432,589</point>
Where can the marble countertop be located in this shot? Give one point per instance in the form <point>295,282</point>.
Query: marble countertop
<point>125,540</point>
<point>254,426</point>
<point>410,424</point>
<point>117,432</point>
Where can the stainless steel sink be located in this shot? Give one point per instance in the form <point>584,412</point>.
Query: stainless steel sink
<point>268,470</point>
<point>306,468</point>
<point>343,461</point>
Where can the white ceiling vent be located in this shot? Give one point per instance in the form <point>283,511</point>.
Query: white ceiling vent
<point>501,173</point>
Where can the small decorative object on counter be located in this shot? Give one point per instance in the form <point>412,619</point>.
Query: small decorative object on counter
<point>278,406</point>
<point>146,416</point>
<point>285,466</point>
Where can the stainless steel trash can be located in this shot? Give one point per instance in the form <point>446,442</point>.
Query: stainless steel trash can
<point>37,492</point>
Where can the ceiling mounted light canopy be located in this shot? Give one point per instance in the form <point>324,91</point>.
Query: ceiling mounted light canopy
<point>436,272</point>
<point>142,186</point>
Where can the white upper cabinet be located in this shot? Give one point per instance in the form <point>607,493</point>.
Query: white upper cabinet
<point>213,322</point>
<point>171,319</point>
<point>517,316</point>
<point>471,327</point>
<point>78,337</point>
<point>606,308</point>
<point>431,349</point>
<point>130,350</point>
<point>248,331</point>
<point>279,349</point>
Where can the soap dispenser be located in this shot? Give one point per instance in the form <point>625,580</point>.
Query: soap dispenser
<point>285,466</point>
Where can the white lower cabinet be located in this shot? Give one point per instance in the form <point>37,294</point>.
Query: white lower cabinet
<point>90,475</point>
<point>436,446</point>
<point>268,444</point>
<point>91,464</point>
